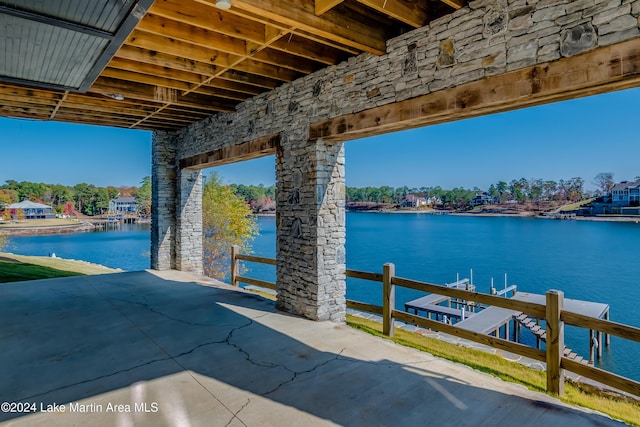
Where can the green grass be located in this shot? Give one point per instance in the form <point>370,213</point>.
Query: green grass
<point>18,272</point>
<point>17,268</point>
<point>574,206</point>
<point>618,408</point>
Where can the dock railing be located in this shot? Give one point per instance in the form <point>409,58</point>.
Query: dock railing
<point>554,314</point>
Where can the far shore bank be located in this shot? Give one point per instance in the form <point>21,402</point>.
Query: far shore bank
<point>38,227</point>
<point>521,214</point>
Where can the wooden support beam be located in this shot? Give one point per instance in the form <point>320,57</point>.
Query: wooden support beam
<point>413,13</point>
<point>300,14</point>
<point>323,6</point>
<point>598,71</point>
<point>456,4</point>
<point>253,149</point>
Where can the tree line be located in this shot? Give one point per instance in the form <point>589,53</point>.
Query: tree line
<point>521,191</point>
<point>517,190</point>
<point>84,198</point>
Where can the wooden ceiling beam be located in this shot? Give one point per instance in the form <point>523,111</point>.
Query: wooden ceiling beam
<point>162,26</point>
<point>305,48</point>
<point>177,48</point>
<point>206,15</point>
<point>238,76</point>
<point>235,86</point>
<point>279,58</point>
<point>153,70</point>
<point>267,70</point>
<point>300,14</point>
<point>323,6</point>
<point>160,59</point>
<point>412,13</point>
<point>145,79</point>
<point>148,93</point>
<point>456,4</point>
<point>28,101</point>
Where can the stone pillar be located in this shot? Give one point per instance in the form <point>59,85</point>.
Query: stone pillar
<point>163,200</point>
<point>310,222</point>
<point>189,221</point>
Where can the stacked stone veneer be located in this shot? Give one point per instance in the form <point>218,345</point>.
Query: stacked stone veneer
<point>486,38</point>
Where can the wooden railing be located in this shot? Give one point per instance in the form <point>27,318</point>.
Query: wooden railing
<point>553,312</point>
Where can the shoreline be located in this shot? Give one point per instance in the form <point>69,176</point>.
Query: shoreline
<point>524,214</point>
<point>34,230</point>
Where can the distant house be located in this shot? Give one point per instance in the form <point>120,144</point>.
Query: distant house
<point>626,193</point>
<point>483,198</point>
<point>31,210</point>
<point>123,205</point>
<point>413,201</point>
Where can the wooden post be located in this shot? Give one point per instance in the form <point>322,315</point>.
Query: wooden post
<point>599,335</point>
<point>607,337</point>
<point>388,298</point>
<point>592,357</point>
<point>555,342</point>
<point>235,250</point>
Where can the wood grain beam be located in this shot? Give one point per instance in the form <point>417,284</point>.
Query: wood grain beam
<point>323,6</point>
<point>253,149</point>
<point>160,59</point>
<point>456,4</point>
<point>173,47</point>
<point>302,47</point>
<point>206,38</point>
<point>206,15</point>
<point>413,13</point>
<point>148,93</point>
<point>598,71</point>
<point>300,14</point>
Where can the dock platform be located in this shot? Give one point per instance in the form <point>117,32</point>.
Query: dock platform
<point>489,320</point>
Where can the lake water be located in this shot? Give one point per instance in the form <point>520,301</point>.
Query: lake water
<point>594,261</point>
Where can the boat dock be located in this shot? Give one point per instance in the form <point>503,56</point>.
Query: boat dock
<point>505,323</point>
<point>455,311</point>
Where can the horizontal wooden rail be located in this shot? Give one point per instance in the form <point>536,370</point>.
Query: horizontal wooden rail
<point>600,375</point>
<point>389,314</point>
<point>256,282</point>
<point>364,275</point>
<point>606,326</point>
<point>357,305</point>
<point>494,342</point>
<point>537,310</point>
<point>261,260</point>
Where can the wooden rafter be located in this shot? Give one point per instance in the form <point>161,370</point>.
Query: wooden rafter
<point>187,59</point>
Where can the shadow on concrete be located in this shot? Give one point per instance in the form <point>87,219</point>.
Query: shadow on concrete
<point>210,356</point>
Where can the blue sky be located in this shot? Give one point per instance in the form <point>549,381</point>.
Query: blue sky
<point>581,138</point>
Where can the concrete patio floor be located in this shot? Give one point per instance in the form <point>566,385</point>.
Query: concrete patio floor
<point>179,353</point>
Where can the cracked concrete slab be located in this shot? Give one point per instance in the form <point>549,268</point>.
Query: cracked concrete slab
<point>168,348</point>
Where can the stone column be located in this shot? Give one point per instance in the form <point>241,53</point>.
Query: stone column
<point>310,222</point>
<point>189,221</point>
<point>163,200</point>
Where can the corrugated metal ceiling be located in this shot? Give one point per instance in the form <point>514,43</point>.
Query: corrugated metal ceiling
<point>62,44</point>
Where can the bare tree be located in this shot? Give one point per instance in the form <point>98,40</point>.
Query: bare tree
<point>604,181</point>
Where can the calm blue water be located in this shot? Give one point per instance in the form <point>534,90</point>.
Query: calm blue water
<point>127,248</point>
<point>594,261</point>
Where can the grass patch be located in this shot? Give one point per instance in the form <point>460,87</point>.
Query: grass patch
<point>621,409</point>
<point>574,206</point>
<point>17,268</point>
<point>18,272</point>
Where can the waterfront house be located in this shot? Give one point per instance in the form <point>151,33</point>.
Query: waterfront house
<point>31,210</point>
<point>413,201</point>
<point>626,193</point>
<point>123,205</point>
<point>483,198</point>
